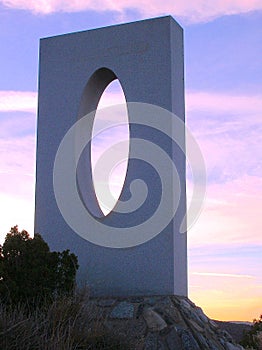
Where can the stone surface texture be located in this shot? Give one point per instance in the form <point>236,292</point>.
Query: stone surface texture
<point>163,323</point>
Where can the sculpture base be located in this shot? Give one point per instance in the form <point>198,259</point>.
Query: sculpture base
<point>161,322</point>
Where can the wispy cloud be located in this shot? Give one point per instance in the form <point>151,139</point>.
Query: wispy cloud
<point>23,101</point>
<point>227,295</point>
<point>228,130</point>
<point>221,103</point>
<point>192,11</point>
<point>17,144</point>
<point>237,220</point>
<point>17,157</point>
<point>17,162</point>
<point>224,275</point>
<point>202,101</point>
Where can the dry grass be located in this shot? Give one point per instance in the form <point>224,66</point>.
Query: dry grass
<point>67,323</point>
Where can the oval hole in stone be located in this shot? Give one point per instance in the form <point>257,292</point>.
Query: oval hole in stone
<point>110,127</point>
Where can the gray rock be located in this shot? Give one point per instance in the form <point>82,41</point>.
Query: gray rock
<point>151,342</point>
<point>212,345</point>
<point>105,302</point>
<point>154,321</point>
<point>185,304</point>
<point>202,340</point>
<point>136,299</point>
<point>139,311</point>
<point>186,312</point>
<point>201,315</point>
<point>196,326</point>
<point>189,342</point>
<point>233,347</point>
<point>168,324</point>
<point>166,301</point>
<point>152,301</point>
<point>200,321</point>
<point>213,324</point>
<point>123,310</point>
<point>169,311</point>
<point>227,336</point>
<point>222,341</point>
<point>160,345</point>
<point>173,340</point>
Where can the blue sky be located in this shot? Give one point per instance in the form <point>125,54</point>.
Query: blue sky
<point>223,75</point>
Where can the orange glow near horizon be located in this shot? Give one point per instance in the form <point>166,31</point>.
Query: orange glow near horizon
<point>227,297</point>
<point>217,308</point>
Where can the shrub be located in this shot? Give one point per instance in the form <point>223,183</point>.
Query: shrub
<point>29,272</point>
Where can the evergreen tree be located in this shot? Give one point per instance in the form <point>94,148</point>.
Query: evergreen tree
<point>29,271</point>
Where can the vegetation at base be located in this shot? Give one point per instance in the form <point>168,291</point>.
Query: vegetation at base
<point>253,338</point>
<point>65,324</point>
<point>30,272</point>
<point>40,308</point>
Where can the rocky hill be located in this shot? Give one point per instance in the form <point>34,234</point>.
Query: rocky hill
<point>235,329</point>
<point>164,323</point>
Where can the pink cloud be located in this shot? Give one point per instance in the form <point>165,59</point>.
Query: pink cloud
<point>231,214</point>
<point>218,103</point>
<point>17,155</point>
<point>17,168</point>
<point>222,274</point>
<point>17,162</point>
<point>18,159</point>
<point>11,101</point>
<point>192,11</point>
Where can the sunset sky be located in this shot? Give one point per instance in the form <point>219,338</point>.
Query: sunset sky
<point>223,76</point>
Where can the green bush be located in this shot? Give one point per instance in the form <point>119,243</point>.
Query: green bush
<point>29,272</point>
<point>253,338</point>
<point>39,306</point>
